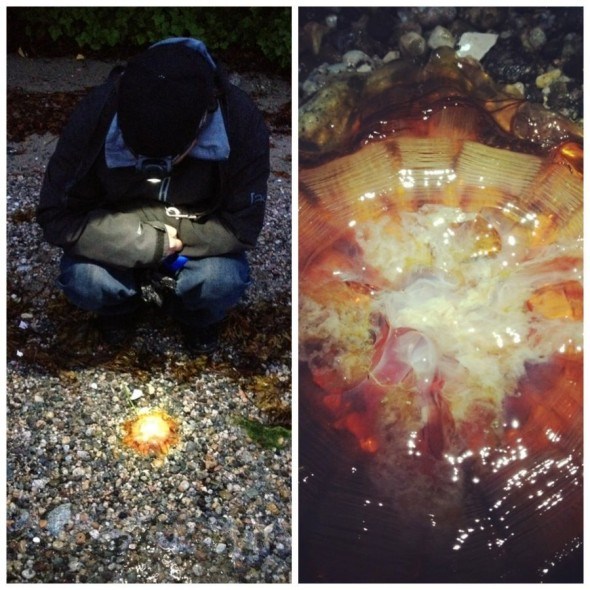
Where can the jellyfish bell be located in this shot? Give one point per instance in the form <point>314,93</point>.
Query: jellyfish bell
<point>151,432</point>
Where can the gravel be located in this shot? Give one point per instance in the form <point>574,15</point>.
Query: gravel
<point>83,507</point>
<point>537,49</point>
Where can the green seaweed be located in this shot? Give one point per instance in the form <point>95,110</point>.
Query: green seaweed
<point>269,437</point>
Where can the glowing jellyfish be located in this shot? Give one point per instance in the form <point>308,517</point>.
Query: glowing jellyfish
<point>151,432</point>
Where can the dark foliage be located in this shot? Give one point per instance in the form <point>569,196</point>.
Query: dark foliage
<point>261,35</point>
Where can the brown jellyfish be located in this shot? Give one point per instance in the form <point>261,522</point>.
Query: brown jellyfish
<point>440,328</point>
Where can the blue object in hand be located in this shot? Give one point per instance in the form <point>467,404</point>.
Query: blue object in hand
<point>174,262</point>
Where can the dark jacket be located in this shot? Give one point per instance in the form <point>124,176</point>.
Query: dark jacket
<point>116,217</point>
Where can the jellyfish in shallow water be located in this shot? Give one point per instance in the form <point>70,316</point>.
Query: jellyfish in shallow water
<point>151,432</point>
<point>440,249</point>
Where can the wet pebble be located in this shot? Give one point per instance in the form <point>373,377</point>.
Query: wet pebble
<point>58,518</point>
<point>529,43</point>
<point>357,60</point>
<point>412,44</point>
<point>441,37</point>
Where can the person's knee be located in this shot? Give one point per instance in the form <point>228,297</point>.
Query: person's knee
<point>93,287</point>
<point>215,278</point>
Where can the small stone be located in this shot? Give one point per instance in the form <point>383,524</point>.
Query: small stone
<point>38,484</point>
<point>28,574</point>
<point>183,486</point>
<point>432,16</point>
<point>220,548</point>
<point>58,517</point>
<point>546,79</point>
<point>534,39</point>
<point>313,33</point>
<point>412,44</point>
<point>198,569</point>
<point>355,58</point>
<point>272,508</point>
<point>441,37</point>
<point>517,89</point>
<point>485,17</point>
<point>391,56</point>
<point>476,45</point>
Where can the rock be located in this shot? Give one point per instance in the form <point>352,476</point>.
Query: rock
<point>58,518</point>
<point>441,37</point>
<point>546,79</point>
<point>476,45</point>
<point>355,59</point>
<point>198,569</point>
<point>272,508</point>
<point>20,522</point>
<point>38,484</point>
<point>534,38</point>
<point>391,56</point>
<point>412,44</point>
<point>28,574</point>
<point>311,38</point>
<point>484,18</point>
<point>431,17</point>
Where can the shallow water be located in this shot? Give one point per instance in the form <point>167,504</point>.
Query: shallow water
<point>351,531</point>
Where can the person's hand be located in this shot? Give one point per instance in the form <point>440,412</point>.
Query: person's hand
<point>175,245</point>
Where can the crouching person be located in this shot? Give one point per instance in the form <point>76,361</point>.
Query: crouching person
<point>163,168</point>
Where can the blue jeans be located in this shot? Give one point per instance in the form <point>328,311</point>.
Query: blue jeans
<point>206,288</point>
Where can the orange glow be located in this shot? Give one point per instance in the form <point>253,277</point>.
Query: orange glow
<point>563,300</point>
<point>151,433</point>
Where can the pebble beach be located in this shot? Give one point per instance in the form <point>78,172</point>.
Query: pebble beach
<point>83,507</point>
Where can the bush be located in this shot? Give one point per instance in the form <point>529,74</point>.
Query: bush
<point>266,31</point>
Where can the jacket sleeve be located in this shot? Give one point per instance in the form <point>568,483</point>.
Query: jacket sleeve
<point>71,210</point>
<point>236,225</point>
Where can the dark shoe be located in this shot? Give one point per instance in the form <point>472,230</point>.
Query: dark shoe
<point>201,340</point>
<point>115,330</point>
